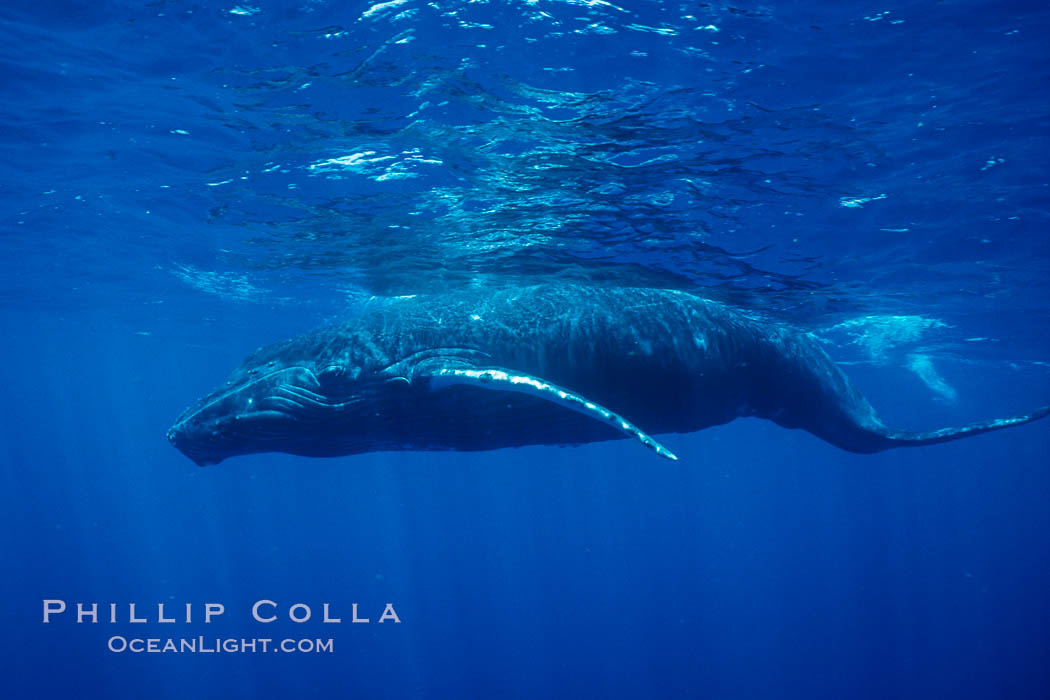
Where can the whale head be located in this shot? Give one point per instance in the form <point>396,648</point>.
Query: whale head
<point>281,400</point>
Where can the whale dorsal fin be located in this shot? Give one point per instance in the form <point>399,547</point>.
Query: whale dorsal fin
<point>498,379</point>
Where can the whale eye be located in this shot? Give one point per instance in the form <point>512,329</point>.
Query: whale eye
<point>337,378</point>
<point>332,372</point>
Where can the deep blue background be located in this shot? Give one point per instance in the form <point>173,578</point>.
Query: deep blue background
<point>331,153</point>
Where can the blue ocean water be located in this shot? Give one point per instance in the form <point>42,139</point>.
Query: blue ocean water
<point>183,182</point>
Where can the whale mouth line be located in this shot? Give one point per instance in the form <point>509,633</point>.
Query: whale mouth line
<point>290,399</point>
<point>463,354</point>
<point>192,413</point>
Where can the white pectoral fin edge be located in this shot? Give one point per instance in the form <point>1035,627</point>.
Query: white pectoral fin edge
<point>503,380</point>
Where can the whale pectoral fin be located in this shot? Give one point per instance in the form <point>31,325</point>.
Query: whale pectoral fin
<point>496,379</point>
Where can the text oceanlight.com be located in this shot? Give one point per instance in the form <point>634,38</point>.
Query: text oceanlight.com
<point>218,645</point>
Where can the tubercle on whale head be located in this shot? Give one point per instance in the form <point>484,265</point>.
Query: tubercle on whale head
<point>178,436</point>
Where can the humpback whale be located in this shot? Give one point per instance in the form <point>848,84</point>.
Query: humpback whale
<point>547,364</point>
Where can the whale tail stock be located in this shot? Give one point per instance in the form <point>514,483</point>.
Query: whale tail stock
<point>896,438</point>
<point>836,411</point>
<point>879,438</point>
